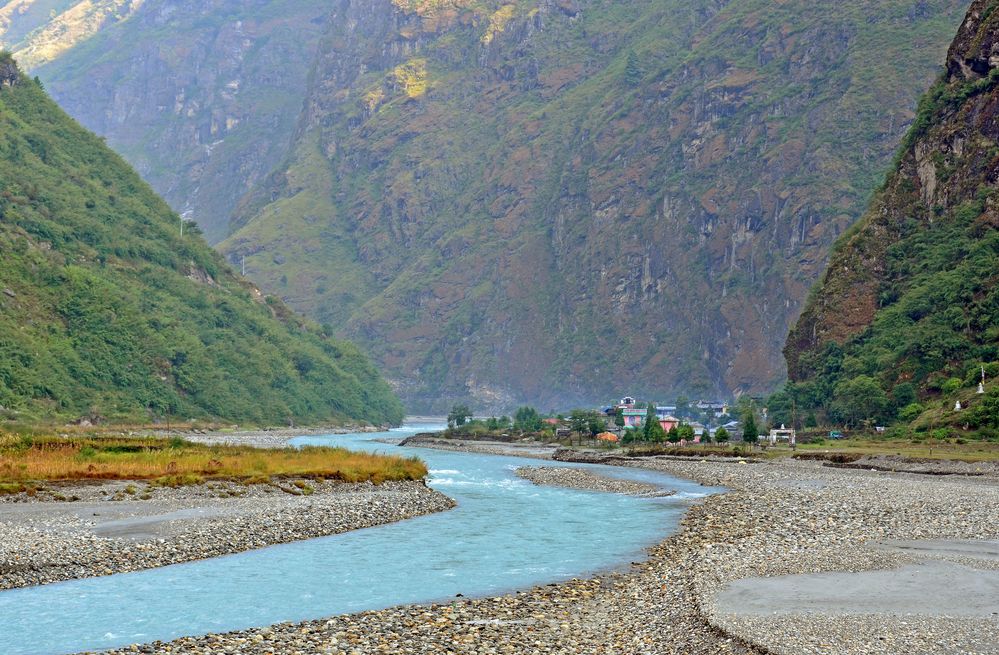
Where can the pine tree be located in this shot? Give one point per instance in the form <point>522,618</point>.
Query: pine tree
<point>632,70</point>
<point>650,420</point>
<point>750,433</point>
<point>657,434</point>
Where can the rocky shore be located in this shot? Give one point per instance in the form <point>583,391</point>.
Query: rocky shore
<point>586,480</point>
<point>530,450</point>
<point>778,518</point>
<point>98,529</point>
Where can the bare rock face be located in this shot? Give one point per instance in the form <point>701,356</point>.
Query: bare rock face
<point>551,201</point>
<point>200,97</point>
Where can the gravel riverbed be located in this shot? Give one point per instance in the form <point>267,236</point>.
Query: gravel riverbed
<point>778,518</point>
<point>585,480</point>
<point>530,450</point>
<point>115,527</point>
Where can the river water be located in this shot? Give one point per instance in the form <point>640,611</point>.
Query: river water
<point>505,534</point>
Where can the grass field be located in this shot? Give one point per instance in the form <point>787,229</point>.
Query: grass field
<point>971,451</point>
<point>27,461</point>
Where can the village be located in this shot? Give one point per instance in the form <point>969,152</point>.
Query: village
<point>630,421</point>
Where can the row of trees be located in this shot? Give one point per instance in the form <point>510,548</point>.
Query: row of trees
<point>525,419</point>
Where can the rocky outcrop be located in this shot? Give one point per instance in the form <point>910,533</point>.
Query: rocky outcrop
<point>201,97</point>
<point>910,294</point>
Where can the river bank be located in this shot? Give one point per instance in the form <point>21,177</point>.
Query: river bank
<point>85,530</point>
<point>585,480</point>
<point>530,450</point>
<point>778,518</point>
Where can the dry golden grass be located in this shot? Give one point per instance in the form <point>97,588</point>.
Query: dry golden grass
<point>25,460</point>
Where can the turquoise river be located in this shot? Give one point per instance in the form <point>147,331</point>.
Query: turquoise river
<point>505,534</point>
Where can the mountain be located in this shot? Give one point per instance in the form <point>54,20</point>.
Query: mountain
<point>201,97</point>
<point>907,314</point>
<point>39,31</point>
<point>108,310</point>
<point>557,201</point>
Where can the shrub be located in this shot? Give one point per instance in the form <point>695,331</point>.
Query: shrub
<point>910,412</point>
<point>951,385</point>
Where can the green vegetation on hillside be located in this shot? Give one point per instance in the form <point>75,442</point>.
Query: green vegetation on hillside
<point>907,316</point>
<point>106,311</point>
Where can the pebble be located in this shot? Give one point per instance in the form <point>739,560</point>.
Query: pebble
<point>586,480</point>
<point>776,518</point>
<point>34,545</point>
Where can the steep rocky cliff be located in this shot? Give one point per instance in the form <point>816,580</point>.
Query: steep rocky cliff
<point>911,296</point>
<point>554,200</point>
<point>107,310</point>
<point>201,97</point>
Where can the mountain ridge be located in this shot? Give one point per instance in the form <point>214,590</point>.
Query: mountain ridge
<point>646,193</point>
<point>110,310</point>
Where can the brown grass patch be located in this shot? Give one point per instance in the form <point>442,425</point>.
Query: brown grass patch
<point>175,462</point>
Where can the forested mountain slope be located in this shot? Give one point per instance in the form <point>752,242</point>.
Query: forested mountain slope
<point>555,200</point>
<point>909,306</point>
<point>200,96</point>
<point>107,311</point>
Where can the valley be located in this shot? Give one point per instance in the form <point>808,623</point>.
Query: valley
<point>707,291</point>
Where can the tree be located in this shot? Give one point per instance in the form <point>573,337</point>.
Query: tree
<point>686,432</point>
<point>579,421</point>
<point>860,400</point>
<point>904,394</point>
<point>985,413</point>
<point>632,70</point>
<point>657,434</point>
<point>619,418</point>
<point>458,416</point>
<point>721,435</point>
<point>595,424</point>
<point>683,407</point>
<point>650,419</point>
<point>780,408</point>
<point>631,435</point>
<point>910,412</point>
<point>527,419</point>
<point>673,436</point>
<point>750,433</point>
